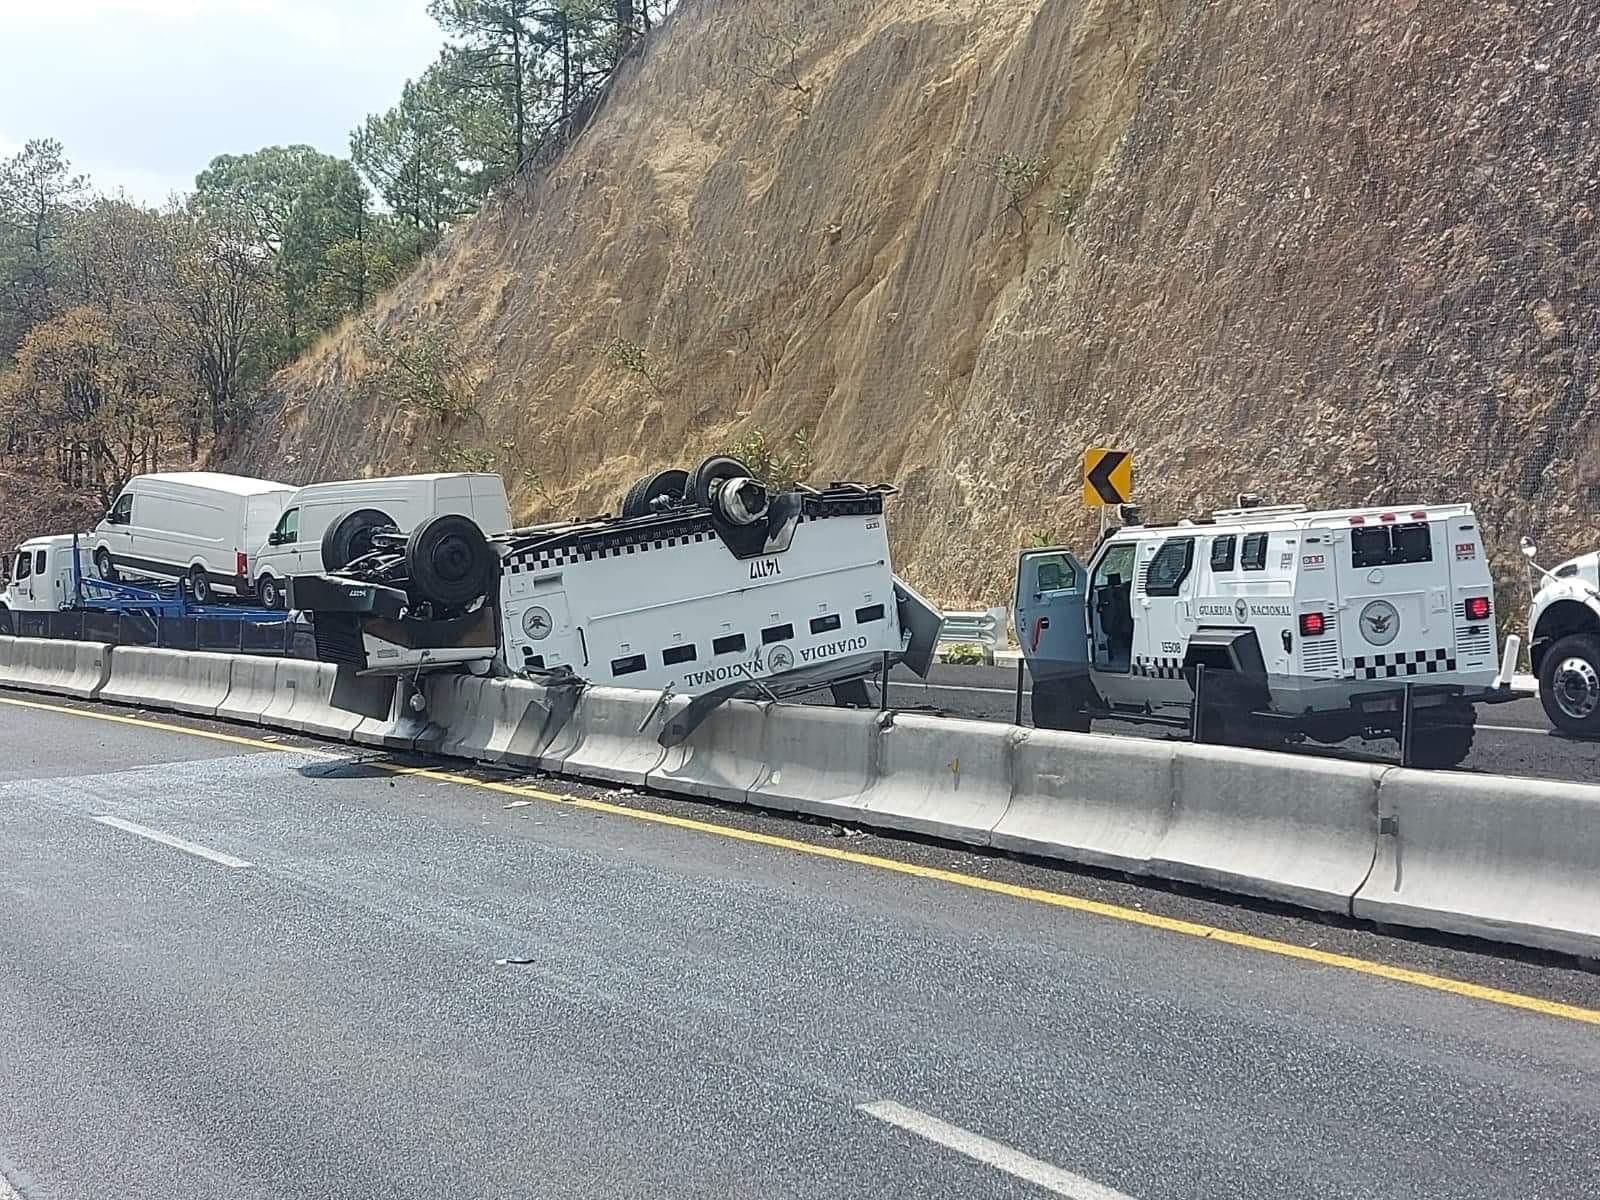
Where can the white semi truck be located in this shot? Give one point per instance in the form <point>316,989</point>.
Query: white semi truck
<point>1564,641</point>
<point>708,584</point>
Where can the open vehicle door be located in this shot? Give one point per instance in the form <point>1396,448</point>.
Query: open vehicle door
<point>1051,612</point>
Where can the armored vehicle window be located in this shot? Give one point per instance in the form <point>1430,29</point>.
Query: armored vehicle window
<point>1222,552</point>
<point>1170,567</point>
<point>1254,555</point>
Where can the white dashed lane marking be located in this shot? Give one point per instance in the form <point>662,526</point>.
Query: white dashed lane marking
<point>177,843</point>
<point>989,1153</point>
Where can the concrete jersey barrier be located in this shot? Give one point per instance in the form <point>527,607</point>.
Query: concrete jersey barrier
<point>602,740</point>
<point>252,683</point>
<point>1089,798</point>
<point>1490,856</point>
<point>722,759</point>
<point>183,681</point>
<point>816,760</point>
<point>77,669</point>
<point>1241,823</point>
<point>509,721</point>
<point>947,778</point>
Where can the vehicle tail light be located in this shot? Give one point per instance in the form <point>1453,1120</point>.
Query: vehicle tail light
<point>1389,517</point>
<point>1419,515</point>
<point>1477,608</point>
<point>1313,625</point>
<point>1358,520</point>
<point>241,564</point>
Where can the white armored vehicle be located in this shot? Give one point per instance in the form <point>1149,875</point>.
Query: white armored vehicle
<point>1564,642</point>
<point>1322,625</point>
<point>707,585</point>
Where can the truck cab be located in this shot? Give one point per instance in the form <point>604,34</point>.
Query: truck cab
<point>41,575</point>
<point>1564,642</point>
<point>1306,624</point>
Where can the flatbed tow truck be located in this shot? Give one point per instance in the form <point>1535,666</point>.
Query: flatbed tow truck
<point>50,594</point>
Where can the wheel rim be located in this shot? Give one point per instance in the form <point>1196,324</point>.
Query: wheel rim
<point>1576,687</point>
<point>452,559</point>
<point>269,593</point>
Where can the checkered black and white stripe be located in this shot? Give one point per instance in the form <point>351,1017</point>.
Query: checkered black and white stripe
<point>1406,662</point>
<point>546,558</point>
<point>1158,668</point>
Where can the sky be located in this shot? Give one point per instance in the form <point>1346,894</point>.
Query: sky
<point>144,93</point>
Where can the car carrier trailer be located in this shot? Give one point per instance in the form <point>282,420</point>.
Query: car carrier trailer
<point>50,594</point>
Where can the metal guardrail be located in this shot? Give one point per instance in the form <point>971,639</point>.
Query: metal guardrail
<point>986,630</point>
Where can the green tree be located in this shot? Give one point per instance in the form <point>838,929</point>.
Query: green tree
<point>299,202</point>
<point>38,198</point>
<point>495,59</point>
<point>222,310</point>
<point>414,153</point>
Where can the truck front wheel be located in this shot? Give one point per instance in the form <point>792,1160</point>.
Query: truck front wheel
<point>1569,684</point>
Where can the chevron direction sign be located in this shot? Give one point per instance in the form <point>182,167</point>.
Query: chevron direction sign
<point>1107,477</point>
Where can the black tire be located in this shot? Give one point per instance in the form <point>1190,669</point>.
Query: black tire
<point>200,585</point>
<point>670,483</point>
<point>350,537</point>
<point>1442,737</point>
<point>103,564</point>
<point>449,561</point>
<point>270,592</point>
<point>1058,705</point>
<point>712,471</point>
<point>1569,684</point>
<point>852,693</point>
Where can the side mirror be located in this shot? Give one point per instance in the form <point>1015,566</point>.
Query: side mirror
<point>274,538</point>
<point>1529,549</point>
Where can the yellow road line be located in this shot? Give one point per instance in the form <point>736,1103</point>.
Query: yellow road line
<point>1132,916</point>
<point>146,723</point>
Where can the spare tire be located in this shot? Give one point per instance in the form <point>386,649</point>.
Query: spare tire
<point>350,537</point>
<point>712,471</point>
<point>449,560</point>
<point>670,483</point>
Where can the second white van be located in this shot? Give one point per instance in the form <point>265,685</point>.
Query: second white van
<point>294,547</point>
<point>196,527</point>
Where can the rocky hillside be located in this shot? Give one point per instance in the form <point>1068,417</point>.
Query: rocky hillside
<point>1330,250</point>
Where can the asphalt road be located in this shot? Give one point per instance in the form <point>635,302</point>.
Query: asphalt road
<point>1511,739</point>
<point>272,970</point>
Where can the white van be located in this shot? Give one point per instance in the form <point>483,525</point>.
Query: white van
<point>196,527</point>
<point>294,547</point>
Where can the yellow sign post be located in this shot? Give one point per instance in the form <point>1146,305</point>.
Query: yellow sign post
<point>1107,477</point>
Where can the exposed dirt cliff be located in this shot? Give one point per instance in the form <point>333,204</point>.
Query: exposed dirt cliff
<point>1326,250</point>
